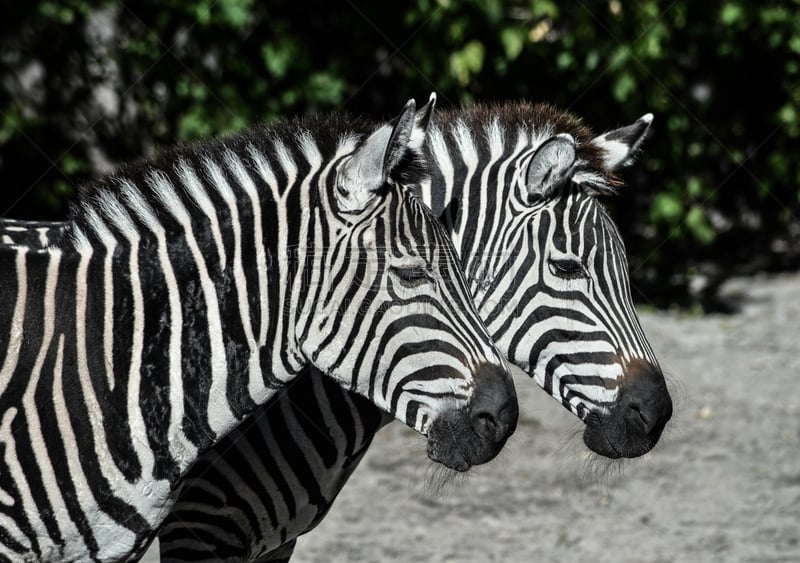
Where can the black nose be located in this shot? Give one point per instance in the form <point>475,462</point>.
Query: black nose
<point>494,409</point>
<point>646,404</point>
<point>475,434</point>
<point>633,425</point>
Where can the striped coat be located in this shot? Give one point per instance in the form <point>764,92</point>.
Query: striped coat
<point>518,187</point>
<point>188,290</point>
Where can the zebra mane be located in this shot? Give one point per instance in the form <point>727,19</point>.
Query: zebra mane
<point>294,137</point>
<point>538,121</point>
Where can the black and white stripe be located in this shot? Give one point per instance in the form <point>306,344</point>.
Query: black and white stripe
<point>517,187</point>
<point>188,290</point>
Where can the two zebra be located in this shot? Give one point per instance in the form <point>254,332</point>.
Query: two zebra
<point>169,307</point>
<point>516,186</point>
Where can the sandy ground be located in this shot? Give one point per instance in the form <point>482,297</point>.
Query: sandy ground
<point>723,484</point>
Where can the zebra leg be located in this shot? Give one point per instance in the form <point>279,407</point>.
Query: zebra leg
<point>280,555</point>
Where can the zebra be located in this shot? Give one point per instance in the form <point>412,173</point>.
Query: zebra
<point>517,186</point>
<point>189,289</point>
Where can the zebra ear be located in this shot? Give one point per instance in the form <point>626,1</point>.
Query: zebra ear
<point>373,162</point>
<point>620,145</point>
<point>422,119</point>
<point>550,166</point>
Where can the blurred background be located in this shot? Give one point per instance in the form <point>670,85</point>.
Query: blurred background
<point>87,84</point>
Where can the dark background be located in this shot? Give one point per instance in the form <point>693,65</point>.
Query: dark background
<point>85,85</point>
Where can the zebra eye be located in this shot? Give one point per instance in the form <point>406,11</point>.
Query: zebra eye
<point>567,269</point>
<point>411,276</point>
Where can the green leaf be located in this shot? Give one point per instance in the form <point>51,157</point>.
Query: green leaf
<point>202,12</point>
<point>236,13</point>
<point>194,124</point>
<point>72,165</point>
<point>48,9</point>
<point>694,187</point>
<point>624,86</point>
<point>11,123</point>
<point>513,40</point>
<point>788,114</point>
<point>619,58</point>
<point>651,44</point>
<point>326,88</point>
<point>564,60</point>
<point>277,58</point>
<point>667,208</point>
<point>731,14</point>
<point>694,149</point>
<point>790,118</point>
<point>467,62</point>
<point>592,58</point>
<point>699,225</point>
<point>544,8</point>
<point>794,43</point>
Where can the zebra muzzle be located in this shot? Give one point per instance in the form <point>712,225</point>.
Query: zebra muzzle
<point>633,426</point>
<point>476,434</point>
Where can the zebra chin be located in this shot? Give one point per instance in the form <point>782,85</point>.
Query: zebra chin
<point>632,426</point>
<point>476,434</point>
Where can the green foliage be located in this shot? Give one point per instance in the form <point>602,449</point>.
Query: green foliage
<point>467,62</point>
<point>717,183</point>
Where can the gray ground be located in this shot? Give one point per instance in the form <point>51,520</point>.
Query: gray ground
<point>723,485</point>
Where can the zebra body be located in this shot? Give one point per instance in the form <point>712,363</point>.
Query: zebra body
<point>189,290</point>
<point>517,187</point>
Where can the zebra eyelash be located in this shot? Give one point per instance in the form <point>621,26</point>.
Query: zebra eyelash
<point>411,276</point>
<point>567,269</point>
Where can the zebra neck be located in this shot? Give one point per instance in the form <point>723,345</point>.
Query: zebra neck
<point>191,327</point>
<point>117,372</point>
<point>162,338</point>
<point>471,191</point>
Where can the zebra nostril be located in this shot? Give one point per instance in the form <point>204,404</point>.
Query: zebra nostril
<point>636,416</point>
<point>647,421</point>
<point>485,426</point>
<point>494,410</point>
<point>645,404</point>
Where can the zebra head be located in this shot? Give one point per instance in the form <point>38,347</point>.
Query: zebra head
<point>548,268</point>
<point>612,380</point>
<point>392,318</point>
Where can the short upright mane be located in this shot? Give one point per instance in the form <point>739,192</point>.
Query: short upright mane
<point>325,132</point>
<point>537,120</point>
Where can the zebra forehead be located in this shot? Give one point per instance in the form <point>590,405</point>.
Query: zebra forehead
<point>585,217</point>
